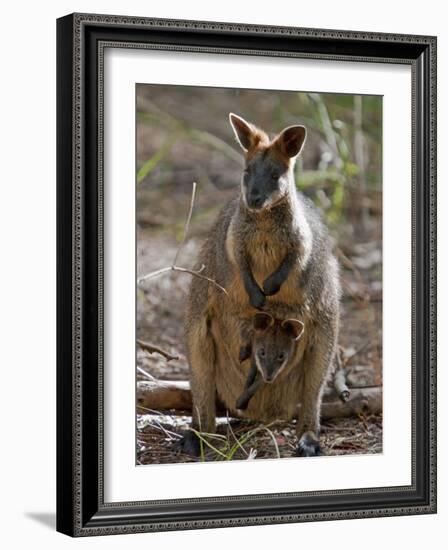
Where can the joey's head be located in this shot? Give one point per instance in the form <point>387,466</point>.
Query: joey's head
<point>269,163</point>
<point>273,343</point>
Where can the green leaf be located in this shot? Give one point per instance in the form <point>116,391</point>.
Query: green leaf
<point>153,161</point>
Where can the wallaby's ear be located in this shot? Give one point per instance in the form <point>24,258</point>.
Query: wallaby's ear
<point>262,321</point>
<point>293,328</point>
<point>291,140</point>
<point>244,131</point>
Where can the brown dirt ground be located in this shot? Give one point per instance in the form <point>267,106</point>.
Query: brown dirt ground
<point>160,321</point>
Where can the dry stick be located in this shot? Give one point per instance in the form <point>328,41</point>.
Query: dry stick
<point>149,376</point>
<point>154,349</point>
<point>340,385</point>
<point>173,266</point>
<point>187,223</point>
<point>339,381</point>
<point>175,396</point>
<point>229,428</point>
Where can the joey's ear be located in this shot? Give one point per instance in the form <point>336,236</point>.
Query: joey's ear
<point>293,328</point>
<point>244,131</point>
<point>262,321</point>
<point>291,140</point>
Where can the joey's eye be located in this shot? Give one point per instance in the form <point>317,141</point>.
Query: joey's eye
<point>262,352</point>
<point>281,356</point>
<point>275,176</point>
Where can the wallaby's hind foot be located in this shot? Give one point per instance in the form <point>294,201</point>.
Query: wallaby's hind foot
<point>189,444</point>
<point>309,445</point>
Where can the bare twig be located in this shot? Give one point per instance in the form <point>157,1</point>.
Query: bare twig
<point>237,441</point>
<point>150,348</point>
<point>153,274</point>
<point>187,223</point>
<point>273,440</point>
<point>149,376</point>
<point>173,266</point>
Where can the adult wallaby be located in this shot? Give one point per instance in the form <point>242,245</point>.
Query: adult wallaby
<point>270,250</point>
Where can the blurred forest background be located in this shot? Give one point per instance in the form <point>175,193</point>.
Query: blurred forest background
<point>183,135</point>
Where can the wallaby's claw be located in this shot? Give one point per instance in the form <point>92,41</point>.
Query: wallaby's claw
<point>189,444</point>
<point>308,446</point>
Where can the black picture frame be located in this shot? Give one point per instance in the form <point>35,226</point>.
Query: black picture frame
<point>81,39</point>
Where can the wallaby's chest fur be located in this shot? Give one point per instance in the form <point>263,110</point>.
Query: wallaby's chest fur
<point>266,239</point>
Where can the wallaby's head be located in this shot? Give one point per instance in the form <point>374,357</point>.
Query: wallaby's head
<point>269,163</point>
<point>273,343</point>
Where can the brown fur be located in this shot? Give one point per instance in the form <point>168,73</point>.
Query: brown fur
<point>259,241</point>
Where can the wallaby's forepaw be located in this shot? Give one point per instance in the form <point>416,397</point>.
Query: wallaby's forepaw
<point>309,445</point>
<point>257,299</point>
<point>242,402</point>
<point>271,286</point>
<point>189,444</point>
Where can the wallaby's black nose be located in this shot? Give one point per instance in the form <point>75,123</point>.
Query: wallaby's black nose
<point>255,201</point>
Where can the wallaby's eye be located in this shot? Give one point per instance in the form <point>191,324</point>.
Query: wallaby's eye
<point>281,356</point>
<point>262,352</point>
<point>275,176</point>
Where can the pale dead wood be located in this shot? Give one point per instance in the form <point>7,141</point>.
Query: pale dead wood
<point>339,379</point>
<point>361,401</point>
<point>175,396</point>
<point>340,385</point>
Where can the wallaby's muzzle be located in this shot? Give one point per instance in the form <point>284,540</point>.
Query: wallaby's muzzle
<point>255,200</point>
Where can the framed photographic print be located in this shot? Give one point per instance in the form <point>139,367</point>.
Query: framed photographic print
<point>246,274</point>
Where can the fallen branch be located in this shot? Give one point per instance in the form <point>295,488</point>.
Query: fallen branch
<point>340,385</point>
<point>173,266</point>
<point>154,349</point>
<point>339,379</point>
<point>175,396</point>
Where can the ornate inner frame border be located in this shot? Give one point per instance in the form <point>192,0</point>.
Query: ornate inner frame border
<point>81,40</point>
